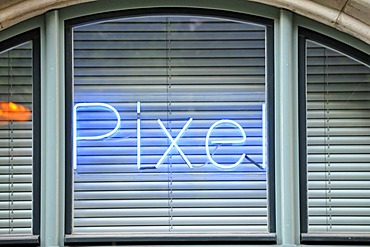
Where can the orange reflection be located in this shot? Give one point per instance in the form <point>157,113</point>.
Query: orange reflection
<point>11,111</point>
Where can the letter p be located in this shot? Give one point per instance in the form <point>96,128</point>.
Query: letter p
<point>96,137</point>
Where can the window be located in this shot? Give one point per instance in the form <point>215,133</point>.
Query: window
<point>19,137</point>
<point>337,137</point>
<point>169,127</point>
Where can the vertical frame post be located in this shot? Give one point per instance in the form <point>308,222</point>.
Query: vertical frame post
<point>287,191</point>
<point>52,182</point>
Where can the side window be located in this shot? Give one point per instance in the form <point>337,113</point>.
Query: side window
<point>169,127</point>
<point>337,139</point>
<point>19,135</point>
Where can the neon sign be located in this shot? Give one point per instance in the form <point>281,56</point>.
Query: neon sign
<point>174,143</point>
<point>222,141</point>
<point>77,138</point>
<point>209,139</point>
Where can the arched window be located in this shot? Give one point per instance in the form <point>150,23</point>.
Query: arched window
<point>169,126</point>
<point>20,138</point>
<point>335,140</point>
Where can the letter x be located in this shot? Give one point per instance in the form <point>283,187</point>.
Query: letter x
<point>174,143</point>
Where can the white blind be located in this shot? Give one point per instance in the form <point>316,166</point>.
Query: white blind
<point>15,142</point>
<point>178,68</point>
<point>338,142</point>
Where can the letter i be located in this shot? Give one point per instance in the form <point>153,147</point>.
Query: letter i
<point>138,134</point>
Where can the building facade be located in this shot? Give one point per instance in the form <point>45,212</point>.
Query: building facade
<point>181,122</point>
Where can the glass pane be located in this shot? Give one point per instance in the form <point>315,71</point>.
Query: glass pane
<point>170,126</point>
<point>338,141</point>
<point>16,140</point>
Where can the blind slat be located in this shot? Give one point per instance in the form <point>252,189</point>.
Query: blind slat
<point>148,229</point>
<point>155,203</point>
<point>93,195</point>
<point>95,213</point>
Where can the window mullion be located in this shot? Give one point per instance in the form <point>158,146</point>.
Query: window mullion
<point>287,136</point>
<point>51,138</point>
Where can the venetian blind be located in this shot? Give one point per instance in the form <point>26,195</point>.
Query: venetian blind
<point>178,68</point>
<point>15,141</point>
<point>338,142</point>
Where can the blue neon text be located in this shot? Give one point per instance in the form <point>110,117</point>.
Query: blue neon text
<point>210,142</point>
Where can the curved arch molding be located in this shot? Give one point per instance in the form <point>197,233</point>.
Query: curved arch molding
<point>349,16</point>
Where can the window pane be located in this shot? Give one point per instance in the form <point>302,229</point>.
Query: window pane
<point>338,141</point>
<point>16,140</point>
<point>170,126</point>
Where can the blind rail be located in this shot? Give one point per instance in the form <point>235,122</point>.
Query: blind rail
<point>24,240</point>
<point>173,237</point>
<point>333,238</point>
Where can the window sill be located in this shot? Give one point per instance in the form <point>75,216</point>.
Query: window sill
<point>29,240</point>
<point>335,238</point>
<point>266,238</point>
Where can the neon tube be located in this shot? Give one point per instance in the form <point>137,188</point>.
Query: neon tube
<point>264,136</point>
<point>229,141</point>
<point>174,143</point>
<point>138,135</point>
<point>76,138</point>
